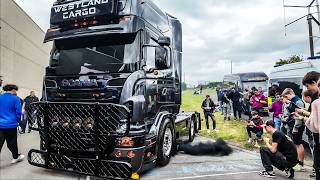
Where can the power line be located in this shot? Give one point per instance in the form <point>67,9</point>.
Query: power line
<point>310,19</point>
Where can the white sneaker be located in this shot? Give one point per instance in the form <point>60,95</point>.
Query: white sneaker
<point>19,159</point>
<point>250,140</point>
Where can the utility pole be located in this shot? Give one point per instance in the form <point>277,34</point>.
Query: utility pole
<point>231,67</point>
<point>310,19</point>
<point>310,35</point>
<point>318,10</point>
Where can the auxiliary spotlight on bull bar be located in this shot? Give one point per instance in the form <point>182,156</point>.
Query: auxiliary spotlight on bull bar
<point>79,137</point>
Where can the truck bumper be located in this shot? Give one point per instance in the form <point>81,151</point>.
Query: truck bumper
<point>92,167</point>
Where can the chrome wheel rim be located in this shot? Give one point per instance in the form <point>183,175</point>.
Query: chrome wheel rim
<point>167,142</point>
<point>192,128</point>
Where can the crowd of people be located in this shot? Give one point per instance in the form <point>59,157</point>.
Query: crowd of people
<point>231,100</point>
<point>13,115</point>
<point>291,119</point>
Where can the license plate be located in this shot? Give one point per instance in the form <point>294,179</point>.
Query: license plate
<point>80,10</point>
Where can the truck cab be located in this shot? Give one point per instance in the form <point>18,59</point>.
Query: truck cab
<point>112,90</point>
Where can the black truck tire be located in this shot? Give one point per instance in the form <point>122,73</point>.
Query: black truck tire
<point>166,143</point>
<point>192,129</point>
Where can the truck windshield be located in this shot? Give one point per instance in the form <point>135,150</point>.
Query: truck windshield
<point>262,84</point>
<point>102,54</point>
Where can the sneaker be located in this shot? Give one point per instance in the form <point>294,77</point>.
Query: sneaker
<point>250,140</point>
<point>19,159</point>
<point>268,174</point>
<point>299,168</point>
<point>290,173</point>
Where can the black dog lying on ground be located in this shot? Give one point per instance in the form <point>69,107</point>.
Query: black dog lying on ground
<point>218,148</point>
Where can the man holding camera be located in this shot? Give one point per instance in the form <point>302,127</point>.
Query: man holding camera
<point>281,152</point>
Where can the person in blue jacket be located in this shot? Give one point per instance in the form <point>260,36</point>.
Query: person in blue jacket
<point>10,117</point>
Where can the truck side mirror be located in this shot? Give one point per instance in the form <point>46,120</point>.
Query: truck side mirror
<point>164,41</point>
<point>55,56</point>
<point>149,53</point>
<point>156,57</point>
<point>161,58</point>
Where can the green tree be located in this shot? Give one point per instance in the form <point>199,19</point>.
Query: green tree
<point>289,60</point>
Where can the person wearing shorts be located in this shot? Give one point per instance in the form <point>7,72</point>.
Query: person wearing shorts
<point>296,125</point>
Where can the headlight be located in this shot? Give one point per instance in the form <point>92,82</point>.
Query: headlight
<point>122,128</point>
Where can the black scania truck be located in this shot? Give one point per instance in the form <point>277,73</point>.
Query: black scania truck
<point>112,90</point>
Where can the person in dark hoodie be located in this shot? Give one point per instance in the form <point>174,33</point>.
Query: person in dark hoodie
<point>208,107</point>
<point>255,126</point>
<point>32,98</point>
<point>10,117</point>
<point>235,97</point>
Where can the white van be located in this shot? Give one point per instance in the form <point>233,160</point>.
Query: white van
<point>291,75</point>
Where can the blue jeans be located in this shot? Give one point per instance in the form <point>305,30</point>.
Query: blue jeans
<point>277,123</point>
<point>221,106</point>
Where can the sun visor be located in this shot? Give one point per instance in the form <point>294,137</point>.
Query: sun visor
<point>76,10</point>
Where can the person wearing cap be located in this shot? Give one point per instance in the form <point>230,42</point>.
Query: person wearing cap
<point>208,107</point>
<point>280,153</point>
<point>10,117</point>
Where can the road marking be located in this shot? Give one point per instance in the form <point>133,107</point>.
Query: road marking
<point>213,175</point>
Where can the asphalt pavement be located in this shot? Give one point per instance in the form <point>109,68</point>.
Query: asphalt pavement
<point>241,164</point>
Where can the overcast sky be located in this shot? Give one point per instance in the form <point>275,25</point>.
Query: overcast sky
<point>248,32</point>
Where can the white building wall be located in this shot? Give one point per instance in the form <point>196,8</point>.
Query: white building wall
<point>23,56</point>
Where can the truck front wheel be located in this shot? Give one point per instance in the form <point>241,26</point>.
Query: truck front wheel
<point>166,143</point>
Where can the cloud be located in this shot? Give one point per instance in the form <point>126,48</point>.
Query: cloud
<point>248,32</point>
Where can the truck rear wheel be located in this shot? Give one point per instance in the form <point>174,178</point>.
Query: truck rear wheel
<point>166,143</point>
<point>192,130</point>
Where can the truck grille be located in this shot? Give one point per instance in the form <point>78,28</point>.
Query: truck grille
<point>79,126</point>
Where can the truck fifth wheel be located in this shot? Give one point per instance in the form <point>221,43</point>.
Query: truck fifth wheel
<point>112,90</point>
